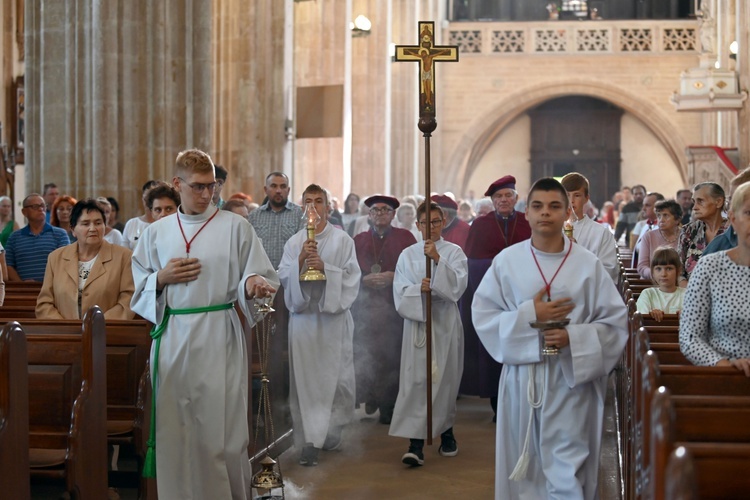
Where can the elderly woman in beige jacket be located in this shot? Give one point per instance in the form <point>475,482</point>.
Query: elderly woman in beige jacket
<point>89,272</point>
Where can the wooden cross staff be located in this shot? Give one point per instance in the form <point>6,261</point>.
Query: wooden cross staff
<point>427,54</point>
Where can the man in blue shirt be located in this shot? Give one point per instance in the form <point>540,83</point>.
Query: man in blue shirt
<point>28,248</point>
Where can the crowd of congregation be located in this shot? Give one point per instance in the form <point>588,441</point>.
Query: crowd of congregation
<point>695,247</point>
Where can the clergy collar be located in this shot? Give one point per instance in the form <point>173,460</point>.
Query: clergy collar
<point>501,218</point>
<point>197,217</point>
<point>386,232</point>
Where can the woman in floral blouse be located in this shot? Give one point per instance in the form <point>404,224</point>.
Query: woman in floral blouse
<point>708,222</point>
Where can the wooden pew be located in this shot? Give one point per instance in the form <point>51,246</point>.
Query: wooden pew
<point>19,299</point>
<point>24,286</point>
<point>669,353</point>
<point>128,347</point>
<point>67,407</point>
<point>715,430</point>
<point>14,414</point>
<point>680,476</point>
<point>21,293</point>
<point>663,333</point>
<point>13,312</point>
<point>668,320</point>
<point>685,380</point>
<point>646,378</point>
<point>706,380</point>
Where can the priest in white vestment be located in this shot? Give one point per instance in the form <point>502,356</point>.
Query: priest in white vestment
<point>449,277</point>
<point>320,331</point>
<point>550,408</point>
<point>594,237</point>
<point>189,268</point>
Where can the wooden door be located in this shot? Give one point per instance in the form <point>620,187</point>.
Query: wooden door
<point>578,134</point>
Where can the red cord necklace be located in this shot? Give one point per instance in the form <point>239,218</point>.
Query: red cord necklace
<point>548,286</point>
<point>188,243</point>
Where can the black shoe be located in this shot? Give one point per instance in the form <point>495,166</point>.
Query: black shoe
<point>371,407</point>
<point>386,414</point>
<point>414,457</point>
<point>309,455</point>
<point>448,445</point>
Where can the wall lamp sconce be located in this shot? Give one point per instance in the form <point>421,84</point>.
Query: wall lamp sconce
<point>361,26</point>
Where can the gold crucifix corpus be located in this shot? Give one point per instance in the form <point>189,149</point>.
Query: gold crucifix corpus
<point>426,53</point>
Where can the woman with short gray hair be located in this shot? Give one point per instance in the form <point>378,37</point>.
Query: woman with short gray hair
<point>708,222</point>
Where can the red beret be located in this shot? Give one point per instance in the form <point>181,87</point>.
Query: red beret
<point>444,201</point>
<point>381,198</point>
<point>508,182</point>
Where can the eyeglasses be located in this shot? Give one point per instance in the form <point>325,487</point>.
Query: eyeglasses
<point>433,223</point>
<point>198,188</point>
<point>36,206</point>
<point>379,211</point>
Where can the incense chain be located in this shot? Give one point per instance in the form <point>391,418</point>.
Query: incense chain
<point>263,331</point>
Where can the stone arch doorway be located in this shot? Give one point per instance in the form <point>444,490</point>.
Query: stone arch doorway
<point>578,134</point>
<point>480,135</point>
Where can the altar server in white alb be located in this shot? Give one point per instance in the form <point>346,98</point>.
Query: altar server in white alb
<point>449,277</point>
<point>550,408</point>
<point>320,331</point>
<point>594,237</point>
<point>189,268</point>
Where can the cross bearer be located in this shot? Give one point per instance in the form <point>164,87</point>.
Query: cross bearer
<point>186,284</point>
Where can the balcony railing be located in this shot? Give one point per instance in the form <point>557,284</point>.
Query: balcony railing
<point>574,37</point>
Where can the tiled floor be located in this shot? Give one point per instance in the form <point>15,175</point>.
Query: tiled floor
<point>369,464</point>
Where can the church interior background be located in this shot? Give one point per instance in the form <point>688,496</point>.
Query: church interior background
<point>99,96</point>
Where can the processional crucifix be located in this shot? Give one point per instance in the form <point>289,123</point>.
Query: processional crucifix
<point>427,54</point>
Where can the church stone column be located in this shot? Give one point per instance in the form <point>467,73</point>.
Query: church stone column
<point>115,89</point>
<point>743,67</point>
<point>248,105</point>
<point>320,52</point>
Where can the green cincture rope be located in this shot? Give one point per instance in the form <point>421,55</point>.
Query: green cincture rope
<point>149,464</point>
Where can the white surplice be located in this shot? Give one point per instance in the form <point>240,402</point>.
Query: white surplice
<point>599,240</point>
<point>570,388</point>
<point>448,282</point>
<point>201,408</point>
<point>321,367</point>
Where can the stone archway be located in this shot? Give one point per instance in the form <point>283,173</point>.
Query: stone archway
<point>478,137</point>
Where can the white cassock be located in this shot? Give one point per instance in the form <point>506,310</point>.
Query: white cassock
<point>569,389</point>
<point>599,240</point>
<point>201,408</point>
<point>321,367</point>
<point>448,282</point>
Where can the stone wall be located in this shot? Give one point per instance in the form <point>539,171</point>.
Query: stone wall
<point>118,87</point>
<point>509,77</point>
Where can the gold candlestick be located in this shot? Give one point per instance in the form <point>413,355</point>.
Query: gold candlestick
<point>312,218</point>
<point>568,229</point>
